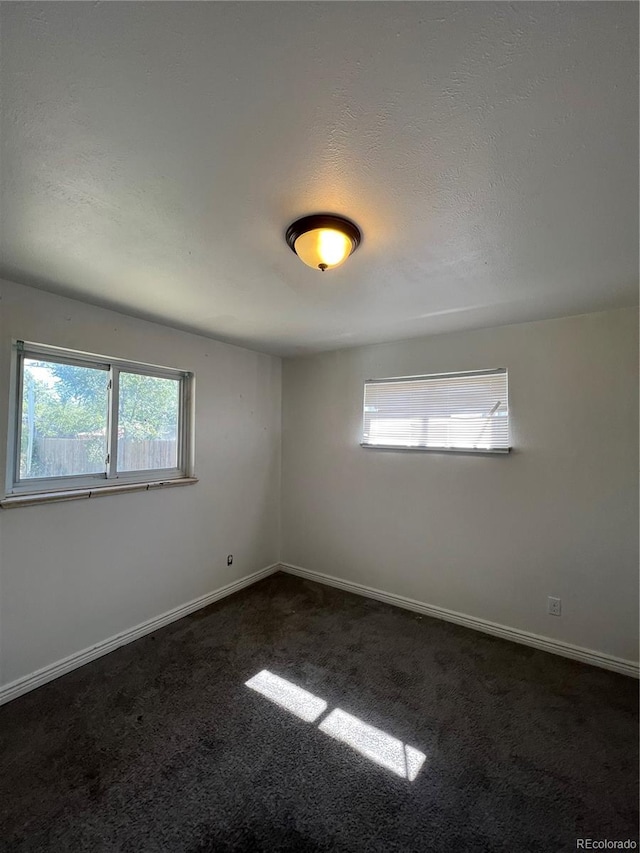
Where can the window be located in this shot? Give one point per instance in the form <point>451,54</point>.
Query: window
<point>87,422</point>
<point>448,411</point>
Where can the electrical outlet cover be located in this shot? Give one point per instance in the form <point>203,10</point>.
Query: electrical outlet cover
<point>554,606</point>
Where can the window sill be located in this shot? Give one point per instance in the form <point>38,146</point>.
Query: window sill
<point>12,501</point>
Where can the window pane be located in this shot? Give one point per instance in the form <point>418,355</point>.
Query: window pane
<point>148,422</point>
<point>63,430</point>
<point>456,411</point>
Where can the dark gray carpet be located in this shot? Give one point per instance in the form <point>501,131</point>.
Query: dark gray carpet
<point>160,747</point>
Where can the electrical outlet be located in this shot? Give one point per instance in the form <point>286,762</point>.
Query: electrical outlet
<point>230,560</point>
<point>554,606</point>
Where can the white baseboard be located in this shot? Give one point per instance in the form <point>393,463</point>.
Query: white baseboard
<point>55,670</point>
<point>547,644</point>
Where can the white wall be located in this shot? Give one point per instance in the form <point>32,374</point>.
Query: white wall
<point>73,574</point>
<point>488,536</point>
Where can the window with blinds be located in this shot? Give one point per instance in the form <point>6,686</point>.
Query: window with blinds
<point>449,411</point>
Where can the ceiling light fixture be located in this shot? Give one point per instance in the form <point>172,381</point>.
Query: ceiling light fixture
<point>323,241</point>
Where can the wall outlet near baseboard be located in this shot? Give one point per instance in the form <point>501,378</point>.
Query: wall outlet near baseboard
<point>554,606</point>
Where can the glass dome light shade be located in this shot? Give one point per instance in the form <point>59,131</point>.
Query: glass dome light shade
<point>323,248</point>
<point>323,241</point>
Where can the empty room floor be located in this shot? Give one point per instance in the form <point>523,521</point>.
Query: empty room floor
<point>292,716</point>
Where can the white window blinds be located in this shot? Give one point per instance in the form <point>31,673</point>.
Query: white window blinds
<point>452,411</point>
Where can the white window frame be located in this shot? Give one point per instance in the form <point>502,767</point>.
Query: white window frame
<point>111,477</point>
<point>440,449</point>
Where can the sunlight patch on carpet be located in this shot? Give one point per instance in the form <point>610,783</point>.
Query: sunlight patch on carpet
<point>376,745</point>
<point>300,702</point>
<point>387,751</point>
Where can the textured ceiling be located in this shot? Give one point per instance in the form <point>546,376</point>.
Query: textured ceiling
<point>153,155</point>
